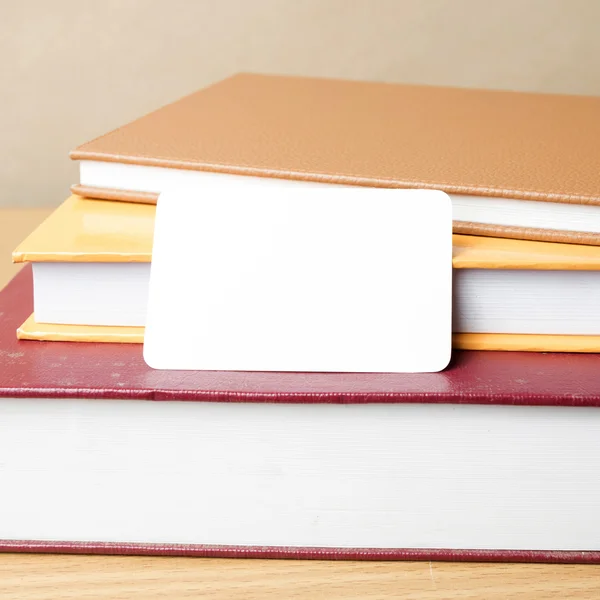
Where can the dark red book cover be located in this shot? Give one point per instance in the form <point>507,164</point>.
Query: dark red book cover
<point>111,371</point>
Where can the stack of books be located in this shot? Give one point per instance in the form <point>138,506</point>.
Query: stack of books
<point>521,170</point>
<point>496,458</point>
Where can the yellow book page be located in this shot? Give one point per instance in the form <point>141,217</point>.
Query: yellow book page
<point>83,230</point>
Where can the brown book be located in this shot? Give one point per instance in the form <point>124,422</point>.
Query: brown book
<point>515,164</point>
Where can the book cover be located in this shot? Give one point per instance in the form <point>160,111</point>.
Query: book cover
<point>53,332</point>
<point>494,144</point>
<point>91,231</point>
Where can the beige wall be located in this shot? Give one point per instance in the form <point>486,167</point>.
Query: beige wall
<point>73,69</point>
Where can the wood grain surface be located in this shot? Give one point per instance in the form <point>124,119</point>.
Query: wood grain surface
<point>45,577</point>
<point>29,577</point>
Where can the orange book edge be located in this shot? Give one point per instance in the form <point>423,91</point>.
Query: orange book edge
<point>30,330</point>
<point>522,342</point>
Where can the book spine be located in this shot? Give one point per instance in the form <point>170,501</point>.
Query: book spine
<point>389,554</point>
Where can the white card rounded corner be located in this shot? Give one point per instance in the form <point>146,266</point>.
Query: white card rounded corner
<point>443,361</point>
<point>444,202</point>
<point>150,358</point>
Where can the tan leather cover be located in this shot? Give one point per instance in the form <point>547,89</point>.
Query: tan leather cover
<point>526,233</point>
<point>96,193</point>
<point>479,142</point>
<point>30,330</point>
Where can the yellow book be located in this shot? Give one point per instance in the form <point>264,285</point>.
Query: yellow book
<point>104,233</point>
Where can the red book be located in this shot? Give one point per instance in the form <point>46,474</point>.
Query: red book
<point>495,458</point>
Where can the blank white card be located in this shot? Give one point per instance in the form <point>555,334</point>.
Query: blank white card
<point>280,277</point>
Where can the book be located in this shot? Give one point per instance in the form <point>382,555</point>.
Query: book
<point>493,459</point>
<point>517,165</point>
<point>91,268</point>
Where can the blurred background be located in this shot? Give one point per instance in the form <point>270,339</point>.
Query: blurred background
<point>74,69</point>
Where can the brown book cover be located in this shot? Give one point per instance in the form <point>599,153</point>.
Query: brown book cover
<point>487,144</point>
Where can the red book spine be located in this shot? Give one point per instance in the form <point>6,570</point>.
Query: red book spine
<point>109,548</point>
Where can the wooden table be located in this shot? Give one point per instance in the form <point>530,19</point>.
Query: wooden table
<point>29,576</point>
